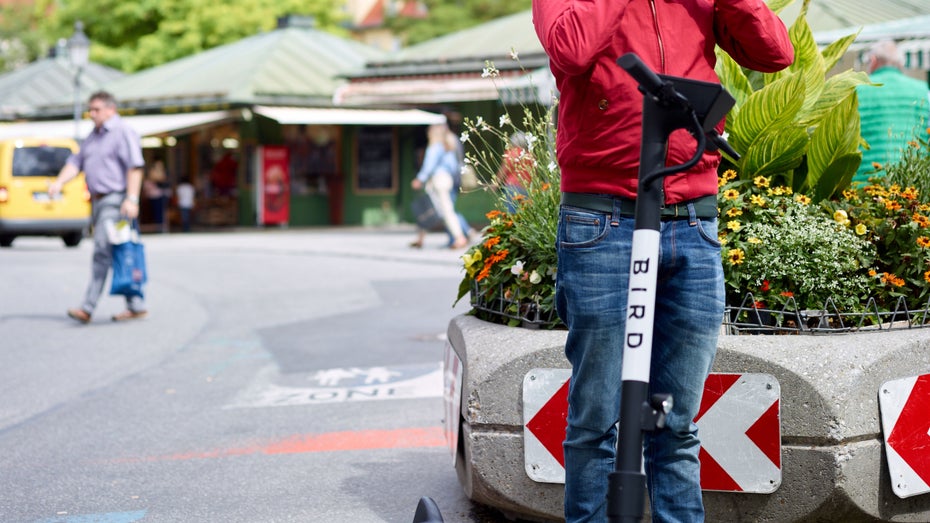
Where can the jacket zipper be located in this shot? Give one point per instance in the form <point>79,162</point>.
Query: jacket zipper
<point>655,21</point>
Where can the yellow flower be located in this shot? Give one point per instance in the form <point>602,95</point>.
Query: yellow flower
<point>910,194</point>
<point>802,199</point>
<point>757,200</point>
<point>922,221</point>
<point>850,195</point>
<point>927,274</point>
<point>778,191</point>
<point>736,211</point>
<point>861,229</point>
<point>923,242</point>
<point>730,194</point>
<point>734,225</point>
<point>841,217</point>
<point>728,175</point>
<point>754,240</point>
<point>722,238</point>
<point>761,181</point>
<point>736,256</point>
<point>471,259</point>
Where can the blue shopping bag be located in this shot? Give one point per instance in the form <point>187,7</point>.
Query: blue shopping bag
<point>129,274</point>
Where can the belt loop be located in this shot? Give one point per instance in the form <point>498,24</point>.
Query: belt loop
<point>617,211</point>
<point>692,214</point>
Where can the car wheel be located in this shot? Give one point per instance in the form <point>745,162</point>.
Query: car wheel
<point>72,239</point>
<point>6,240</point>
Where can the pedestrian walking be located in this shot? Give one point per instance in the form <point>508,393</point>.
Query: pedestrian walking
<point>112,162</point>
<point>437,176</point>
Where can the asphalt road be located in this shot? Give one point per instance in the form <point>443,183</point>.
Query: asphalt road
<point>281,376</point>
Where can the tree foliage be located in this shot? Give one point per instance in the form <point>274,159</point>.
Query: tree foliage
<point>19,42</point>
<point>136,35</point>
<point>447,16</point>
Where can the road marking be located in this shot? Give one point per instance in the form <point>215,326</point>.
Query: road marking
<point>110,517</point>
<point>345,384</point>
<point>417,437</point>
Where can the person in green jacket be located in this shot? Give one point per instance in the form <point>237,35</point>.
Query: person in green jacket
<point>892,113</point>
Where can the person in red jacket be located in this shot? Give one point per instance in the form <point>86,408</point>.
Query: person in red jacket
<point>598,144</point>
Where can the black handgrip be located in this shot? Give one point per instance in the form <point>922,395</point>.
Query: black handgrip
<point>640,72</point>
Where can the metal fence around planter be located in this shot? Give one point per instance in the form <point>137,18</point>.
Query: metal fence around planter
<point>745,318</point>
<point>494,307</point>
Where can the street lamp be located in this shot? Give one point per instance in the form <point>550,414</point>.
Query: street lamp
<point>78,50</point>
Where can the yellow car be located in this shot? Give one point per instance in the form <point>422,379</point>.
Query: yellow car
<point>27,167</point>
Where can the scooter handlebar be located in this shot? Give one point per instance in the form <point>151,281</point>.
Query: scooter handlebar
<point>640,72</point>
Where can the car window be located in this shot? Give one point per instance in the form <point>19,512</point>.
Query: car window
<point>42,160</point>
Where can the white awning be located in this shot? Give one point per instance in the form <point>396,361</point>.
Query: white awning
<point>145,125</point>
<point>340,116</point>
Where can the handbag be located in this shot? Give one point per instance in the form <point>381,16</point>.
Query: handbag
<point>129,274</point>
<point>425,213</point>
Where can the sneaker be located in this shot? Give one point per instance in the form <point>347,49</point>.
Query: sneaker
<point>129,315</point>
<point>79,315</point>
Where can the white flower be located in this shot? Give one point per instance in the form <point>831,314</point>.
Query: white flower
<point>517,268</point>
<point>551,271</point>
<point>530,140</point>
<point>552,166</point>
<point>535,278</point>
<point>505,120</point>
<point>513,54</point>
<point>489,70</point>
<point>464,137</point>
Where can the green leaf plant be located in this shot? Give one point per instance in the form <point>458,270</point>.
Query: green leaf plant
<point>797,126</point>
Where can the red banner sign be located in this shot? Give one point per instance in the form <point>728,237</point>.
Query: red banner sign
<point>275,187</point>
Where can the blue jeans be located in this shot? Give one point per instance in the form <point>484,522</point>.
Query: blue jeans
<point>591,296</point>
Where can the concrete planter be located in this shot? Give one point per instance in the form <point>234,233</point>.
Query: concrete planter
<point>833,466</point>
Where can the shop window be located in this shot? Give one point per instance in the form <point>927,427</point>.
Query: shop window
<point>313,153</point>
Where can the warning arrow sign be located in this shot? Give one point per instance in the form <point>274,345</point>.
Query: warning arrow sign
<point>740,433</point>
<point>738,422</point>
<point>904,405</point>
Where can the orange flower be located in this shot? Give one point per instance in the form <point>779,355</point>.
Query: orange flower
<point>923,241</point>
<point>484,272</point>
<point>787,294</point>
<point>892,205</point>
<point>921,220</point>
<point>493,214</point>
<point>545,187</point>
<point>927,276</point>
<point>892,279</point>
<point>491,242</point>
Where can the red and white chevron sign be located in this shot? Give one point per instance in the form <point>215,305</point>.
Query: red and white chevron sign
<point>740,433</point>
<point>905,404</point>
<point>738,421</point>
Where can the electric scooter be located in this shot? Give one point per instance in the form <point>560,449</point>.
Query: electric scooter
<point>669,103</point>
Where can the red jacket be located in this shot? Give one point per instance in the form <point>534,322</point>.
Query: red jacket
<point>600,108</point>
